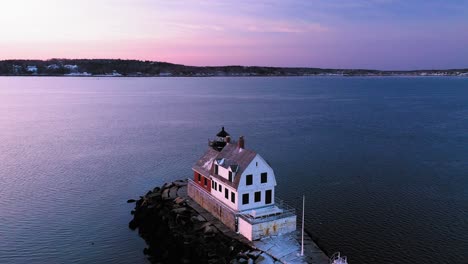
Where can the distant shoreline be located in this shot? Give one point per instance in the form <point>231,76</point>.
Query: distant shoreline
<point>228,76</point>
<point>136,68</point>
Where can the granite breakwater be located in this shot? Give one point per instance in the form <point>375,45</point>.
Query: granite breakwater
<point>176,233</point>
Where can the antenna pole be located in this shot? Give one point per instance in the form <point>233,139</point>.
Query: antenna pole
<point>303,206</point>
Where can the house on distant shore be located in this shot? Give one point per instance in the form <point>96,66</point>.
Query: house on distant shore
<point>71,67</point>
<point>165,74</point>
<point>237,186</point>
<point>53,67</point>
<point>32,69</point>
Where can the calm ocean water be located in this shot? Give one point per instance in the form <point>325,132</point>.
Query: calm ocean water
<point>383,161</point>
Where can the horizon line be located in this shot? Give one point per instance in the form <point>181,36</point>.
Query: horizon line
<point>233,65</point>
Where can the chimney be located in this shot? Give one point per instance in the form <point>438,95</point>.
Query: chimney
<point>228,139</point>
<point>241,142</point>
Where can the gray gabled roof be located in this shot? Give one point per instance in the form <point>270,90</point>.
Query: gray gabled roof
<point>234,157</point>
<point>205,163</point>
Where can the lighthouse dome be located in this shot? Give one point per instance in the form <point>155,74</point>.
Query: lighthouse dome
<point>222,133</point>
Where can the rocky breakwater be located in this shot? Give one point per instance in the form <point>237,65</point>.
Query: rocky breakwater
<point>177,233</point>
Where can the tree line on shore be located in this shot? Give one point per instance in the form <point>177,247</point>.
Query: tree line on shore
<point>118,67</point>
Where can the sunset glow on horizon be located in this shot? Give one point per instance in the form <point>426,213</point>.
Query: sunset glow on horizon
<point>379,34</point>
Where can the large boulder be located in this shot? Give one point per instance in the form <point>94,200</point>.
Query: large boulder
<point>165,194</point>
<point>254,254</point>
<point>180,183</point>
<point>167,185</point>
<point>179,210</point>
<point>173,192</point>
<point>264,259</point>
<point>179,200</point>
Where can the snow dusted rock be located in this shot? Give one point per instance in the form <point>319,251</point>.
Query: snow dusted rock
<point>242,261</point>
<point>154,194</point>
<point>176,233</point>
<point>254,254</point>
<point>180,183</point>
<point>264,259</point>
<point>198,218</point>
<point>165,194</point>
<point>204,226</point>
<point>179,200</point>
<point>173,192</point>
<point>210,229</point>
<point>179,210</point>
<point>167,185</point>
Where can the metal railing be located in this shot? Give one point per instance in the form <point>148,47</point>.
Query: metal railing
<point>287,211</point>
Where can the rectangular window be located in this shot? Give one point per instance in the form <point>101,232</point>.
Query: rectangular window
<point>226,193</point>
<point>268,197</point>
<point>233,197</point>
<point>258,196</point>
<point>249,179</point>
<point>220,188</point>
<point>205,181</point>
<point>230,176</point>
<point>264,177</point>
<point>216,170</point>
<point>212,184</point>
<point>199,177</point>
<point>245,198</point>
<point>215,185</point>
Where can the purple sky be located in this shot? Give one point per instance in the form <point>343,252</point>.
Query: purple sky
<point>380,34</point>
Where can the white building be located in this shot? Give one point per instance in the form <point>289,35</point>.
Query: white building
<point>237,185</point>
<point>53,67</point>
<point>31,69</point>
<point>71,67</point>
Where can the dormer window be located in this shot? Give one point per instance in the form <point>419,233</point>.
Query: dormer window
<point>234,168</point>
<point>230,176</point>
<point>216,169</point>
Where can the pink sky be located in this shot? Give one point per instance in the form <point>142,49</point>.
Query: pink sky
<point>382,34</point>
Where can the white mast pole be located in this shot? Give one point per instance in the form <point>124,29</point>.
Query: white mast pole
<point>303,206</point>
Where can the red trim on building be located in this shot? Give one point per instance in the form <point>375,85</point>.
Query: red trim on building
<point>202,181</point>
